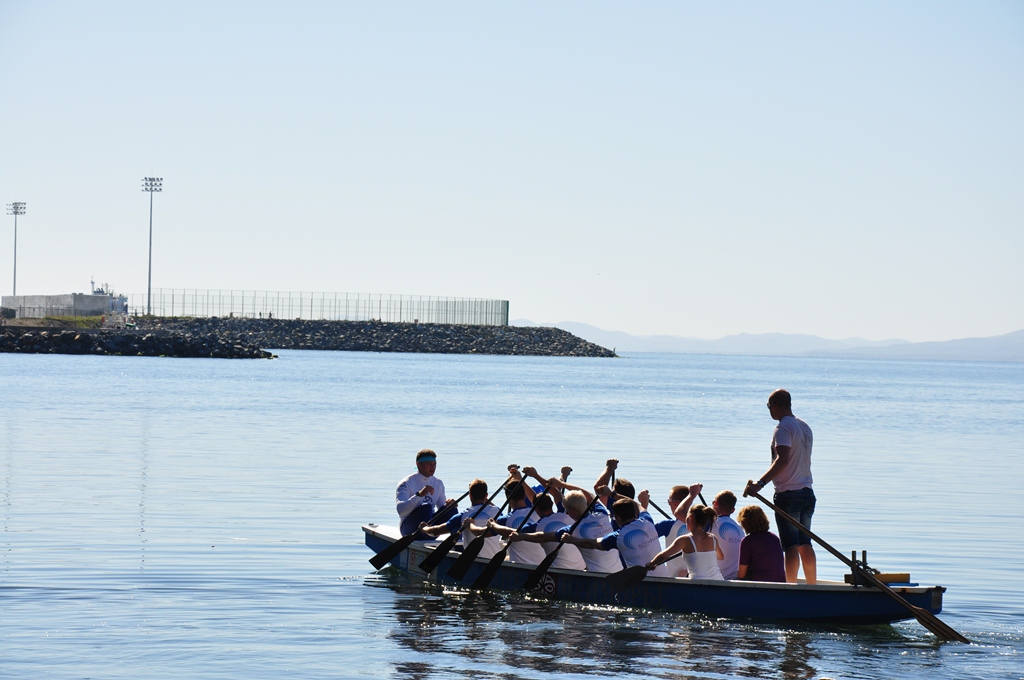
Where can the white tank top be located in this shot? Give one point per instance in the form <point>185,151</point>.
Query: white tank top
<point>569,556</point>
<point>703,564</point>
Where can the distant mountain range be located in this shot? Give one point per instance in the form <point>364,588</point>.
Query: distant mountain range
<point>1009,347</point>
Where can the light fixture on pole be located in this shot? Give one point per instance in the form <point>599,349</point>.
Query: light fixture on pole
<point>151,185</point>
<point>16,208</point>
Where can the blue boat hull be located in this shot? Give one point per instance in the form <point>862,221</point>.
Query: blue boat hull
<point>825,602</point>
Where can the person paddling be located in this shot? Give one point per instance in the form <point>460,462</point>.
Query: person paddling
<point>636,540</point>
<point>462,521</point>
<point>700,548</point>
<point>548,523</point>
<point>680,499</point>
<point>420,495</point>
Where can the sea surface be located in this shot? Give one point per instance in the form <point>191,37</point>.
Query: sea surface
<point>201,518</point>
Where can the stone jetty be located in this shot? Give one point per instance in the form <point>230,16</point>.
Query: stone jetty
<point>34,340</point>
<point>377,336</point>
<point>239,338</point>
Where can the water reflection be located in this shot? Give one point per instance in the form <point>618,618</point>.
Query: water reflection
<point>470,634</point>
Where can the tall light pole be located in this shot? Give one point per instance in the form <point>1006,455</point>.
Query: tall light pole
<point>151,185</point>
<point>16,208</point>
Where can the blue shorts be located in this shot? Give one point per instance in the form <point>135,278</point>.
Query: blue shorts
<point>800,505</point>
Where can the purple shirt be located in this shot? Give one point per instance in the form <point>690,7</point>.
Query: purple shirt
<point>762,553</point>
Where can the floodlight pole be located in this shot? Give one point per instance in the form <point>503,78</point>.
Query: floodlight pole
<point>151,185</point>
<point>16,208</point>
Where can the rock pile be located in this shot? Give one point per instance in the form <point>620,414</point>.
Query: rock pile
<point>376,336</point>
<point>125,343</point>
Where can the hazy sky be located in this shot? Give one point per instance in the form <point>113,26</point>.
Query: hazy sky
<point>694,169</point>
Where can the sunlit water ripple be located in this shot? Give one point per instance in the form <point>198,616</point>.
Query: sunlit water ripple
<point>200,518</point>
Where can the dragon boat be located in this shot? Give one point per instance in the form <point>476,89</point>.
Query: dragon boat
<point>824,602</point>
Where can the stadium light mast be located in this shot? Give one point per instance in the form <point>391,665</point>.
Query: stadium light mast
<point>16,208</point>
<point>151,185</point>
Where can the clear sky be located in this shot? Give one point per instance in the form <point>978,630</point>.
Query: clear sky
<point>697,169</point>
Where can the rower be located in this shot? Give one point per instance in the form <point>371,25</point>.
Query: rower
<point>620,488</point>
<point>679,501</point>
<point>464,520</point>
<point>518,494</point>
<point>637,540</point>
<point>595,524</point>
<point>546,527</point>
<point>728,532</point>
<point>421,494</point>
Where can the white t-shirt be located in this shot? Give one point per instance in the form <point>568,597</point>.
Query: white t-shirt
<point>569,556</point>
<point>492,544</point>
<point>796,434</point>
<point>637,542</point>
<point>729,534</point>
<point>597,525</point>
<point>523,552</point>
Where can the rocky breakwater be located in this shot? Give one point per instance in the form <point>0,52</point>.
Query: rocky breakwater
<point>125,343</point>
<point>376,336</point>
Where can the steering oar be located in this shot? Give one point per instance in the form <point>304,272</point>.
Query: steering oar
<point>924,617</point>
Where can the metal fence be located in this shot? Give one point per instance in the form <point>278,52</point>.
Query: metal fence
<point>332,306</point>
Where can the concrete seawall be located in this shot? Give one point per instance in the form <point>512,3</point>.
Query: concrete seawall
<point>376,336</point>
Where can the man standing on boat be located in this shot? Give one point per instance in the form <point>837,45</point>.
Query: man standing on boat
<point>421,494</point>
<point>790,471</point>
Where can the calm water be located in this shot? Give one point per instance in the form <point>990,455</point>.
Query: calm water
<point>200,518</point>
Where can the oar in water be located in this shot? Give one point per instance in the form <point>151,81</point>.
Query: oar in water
<point>534,578</point>
<point>624,578</point>
<point>491,568</point>
<point>924,617</point>
<point>392,551</point>
<point>431,561</point>
<point>469,553</point>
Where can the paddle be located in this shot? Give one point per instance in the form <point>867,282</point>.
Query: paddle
<point>925,618</point>
<point>534,578</point>
<point>491,568</point>
<point>389,553</point>
<point>433,559</point>
<point>469,553</point>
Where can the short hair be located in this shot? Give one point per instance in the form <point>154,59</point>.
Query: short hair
<point>679,493</point>
<point>425,453</point>
<point>624,487</point>
<point>477,489</point>
<point>753,520</point>
<point>514,491</point>
<point>624,509</point>
<point>727,499</point>
<point>781,398</point>
<point>544,503</point>
<point>575,501</point>
<point>704,516</point>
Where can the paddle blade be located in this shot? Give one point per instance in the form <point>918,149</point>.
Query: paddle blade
<point>936,625</point>
<point>533,580</point>
<point>465,560</point>
<point>490,569</point>
<point>391,552</point>
<point>431,561</point>
<point>621,580</point>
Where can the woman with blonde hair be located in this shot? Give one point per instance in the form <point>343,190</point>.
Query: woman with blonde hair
<point>761,557</point>
<point>700,548</point>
